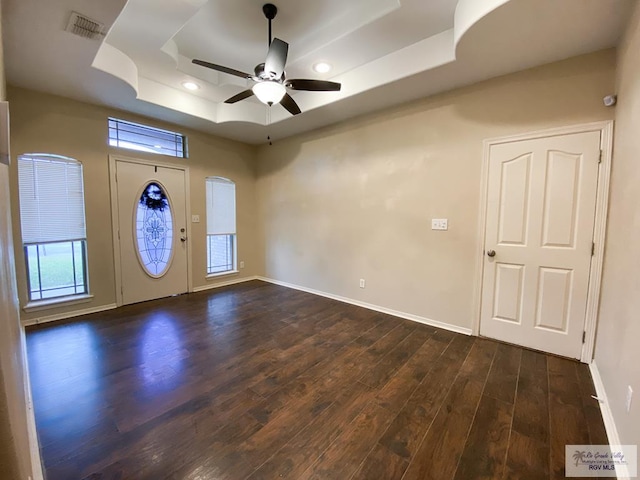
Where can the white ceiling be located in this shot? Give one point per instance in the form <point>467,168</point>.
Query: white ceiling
<point>384,52</point>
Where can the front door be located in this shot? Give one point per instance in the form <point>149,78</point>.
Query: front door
<point>538,241</point>
<point>151,230</point>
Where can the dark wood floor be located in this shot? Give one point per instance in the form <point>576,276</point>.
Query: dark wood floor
<point>262,382</point>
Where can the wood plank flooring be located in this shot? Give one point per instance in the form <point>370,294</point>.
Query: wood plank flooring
<point>258,381</point>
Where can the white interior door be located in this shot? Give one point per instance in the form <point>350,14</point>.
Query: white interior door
<point>538,242</point>
<point>152,231</point>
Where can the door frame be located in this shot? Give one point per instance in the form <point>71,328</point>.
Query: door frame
<point>602,202</point>
<point>115,216</point>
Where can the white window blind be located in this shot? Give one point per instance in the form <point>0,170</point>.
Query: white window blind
<point>221,206</point>
<point>51,199</point>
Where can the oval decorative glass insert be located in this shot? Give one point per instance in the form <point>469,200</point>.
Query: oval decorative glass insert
<point>154,230</point>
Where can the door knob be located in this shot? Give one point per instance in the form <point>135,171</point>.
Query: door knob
<point>491,253</point>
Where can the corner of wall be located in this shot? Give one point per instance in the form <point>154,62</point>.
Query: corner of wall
<point>616,353</point>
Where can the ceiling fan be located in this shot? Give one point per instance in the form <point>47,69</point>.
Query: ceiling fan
<point>271,82</point>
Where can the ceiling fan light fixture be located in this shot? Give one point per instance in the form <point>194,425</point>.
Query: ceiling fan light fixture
<point>269,92</point>
<point>322,67</point>
<point>271,83</point>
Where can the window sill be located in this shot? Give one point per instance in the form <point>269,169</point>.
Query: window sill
<point>222,274</point>
<point>56,302</point>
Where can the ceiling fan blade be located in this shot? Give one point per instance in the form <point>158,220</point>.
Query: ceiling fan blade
<point>290,104</point>
<point>240,96</point>
<point>222,69</point>
<point>276,58</point>
<point>313,85</point>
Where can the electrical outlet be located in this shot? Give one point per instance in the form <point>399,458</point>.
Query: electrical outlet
<point>629,397</point>
<point>439,224</point>
<point>362,283</point>
<point>195,218</point>
<point>241,264</point>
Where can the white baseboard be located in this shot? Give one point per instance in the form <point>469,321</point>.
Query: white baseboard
<point>223,284</point>
<point>34,447</point>
<point>607,415</point>
<point>370,306</point>
<point>64,316</point>
<point>111,306</point>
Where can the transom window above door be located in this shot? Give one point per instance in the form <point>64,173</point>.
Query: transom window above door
<point>143,138</point>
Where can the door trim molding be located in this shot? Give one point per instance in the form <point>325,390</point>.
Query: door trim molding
<point>115,220</point>
<point>602,203</point>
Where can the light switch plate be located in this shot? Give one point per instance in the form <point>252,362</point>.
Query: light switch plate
<point>439,224</point>
<point>195,218</point>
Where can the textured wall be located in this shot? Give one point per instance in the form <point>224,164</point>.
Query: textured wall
<point>356,200</point>
<point>14,438</point>
<point>50,124</point>
<point>617,352</point>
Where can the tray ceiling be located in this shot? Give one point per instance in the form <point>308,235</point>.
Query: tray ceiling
<point>384,52</point>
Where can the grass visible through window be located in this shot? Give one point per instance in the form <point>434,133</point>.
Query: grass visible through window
<point>220,253</point>
<point>56,269</point>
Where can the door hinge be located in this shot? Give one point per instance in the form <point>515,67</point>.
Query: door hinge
<point>600,157</point>
<point>584,337</point>
<point>593,249</point>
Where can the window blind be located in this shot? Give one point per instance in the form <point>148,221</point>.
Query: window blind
<point>221,206</point>
<point>51,199</point>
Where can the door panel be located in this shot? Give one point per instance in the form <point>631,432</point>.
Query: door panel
<point>514,201</point>
<point>152,231</point>
<point>508,288</point>
<point>540,219</point>
<point>561,199</point>
<point>554,293</point>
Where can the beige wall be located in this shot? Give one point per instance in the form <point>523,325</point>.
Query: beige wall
<point>49,124</point>
<point>14,439</point>
<point>617,351</point>
<point>355,200</point>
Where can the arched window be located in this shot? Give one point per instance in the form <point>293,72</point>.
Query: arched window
<point>53,225</point>
<point>221,225</point>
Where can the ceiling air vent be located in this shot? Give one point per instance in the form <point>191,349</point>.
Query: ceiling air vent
<point>83,26</point>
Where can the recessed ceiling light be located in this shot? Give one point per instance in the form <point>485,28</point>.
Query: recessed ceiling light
<point>322,67</point>
<point>190,86</point>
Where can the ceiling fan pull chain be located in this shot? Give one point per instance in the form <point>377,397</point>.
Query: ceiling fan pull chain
<point>269,123</point>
